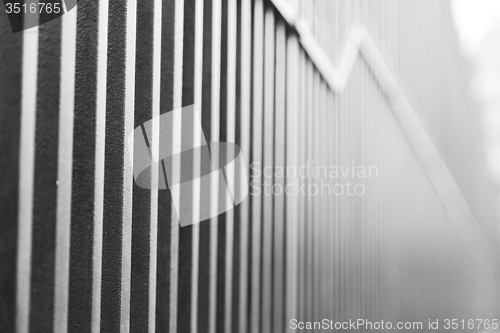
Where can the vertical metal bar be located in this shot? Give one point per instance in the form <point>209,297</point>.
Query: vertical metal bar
<point>176,144</point>
<point>309,217</point>
<point>45,178</point>
<point>166,212</point>
<point>245,144</point>
<point>215,133</point>
<point>257,178</point>
<point>331,208</point>
<point>205,230</point>
<point>87,163</point>
<point>222,228</point>
<point>292,201</point>
<point>302,182</point>
<point>279,180</point>
<point>230,137</point>
<point>186,242</point>
<point>237,193</point>
<point>197,137</point>
<point>118,184</point>
<point>325,193</point>
<point>141,205</point>
<point>26,179</point>
<point>268,164</point>
<point>144,206</point>
<point>128,171</point>
<point>115,300</point>
<point>325,196</point>
<point>11,72</point>
<point>320,198</point>
<point>315,205</point>
<point>100,130</point>
<point>156,94</point>
<point>65,164</point>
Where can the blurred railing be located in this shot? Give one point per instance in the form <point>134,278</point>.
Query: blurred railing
<point>85,249</point>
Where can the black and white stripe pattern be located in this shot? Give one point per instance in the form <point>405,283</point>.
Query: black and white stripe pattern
<point>83,249</point>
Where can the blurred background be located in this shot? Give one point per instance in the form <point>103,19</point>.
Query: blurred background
<point>478,29</point>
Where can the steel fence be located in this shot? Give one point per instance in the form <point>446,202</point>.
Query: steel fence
<point>84,249</point>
